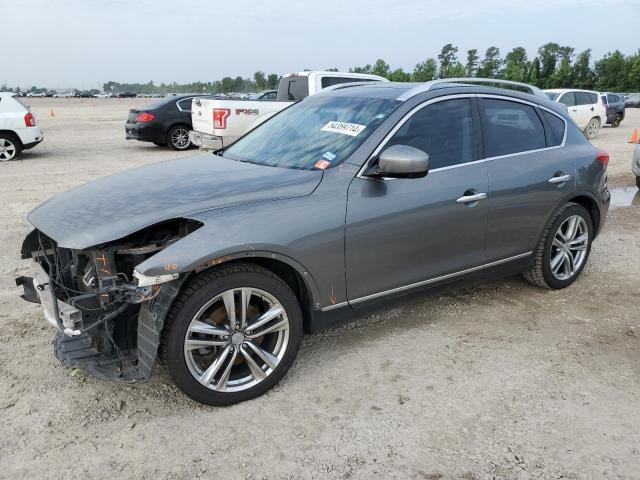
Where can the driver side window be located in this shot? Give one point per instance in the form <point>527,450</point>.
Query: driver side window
<point>444,130</point>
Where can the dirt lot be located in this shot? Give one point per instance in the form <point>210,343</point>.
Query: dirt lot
<point>502,380</point>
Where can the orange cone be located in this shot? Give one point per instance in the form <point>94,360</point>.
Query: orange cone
<point>634,137</point>
<point>52,113</point>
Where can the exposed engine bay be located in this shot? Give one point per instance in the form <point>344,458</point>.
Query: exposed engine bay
<point>108,315</point>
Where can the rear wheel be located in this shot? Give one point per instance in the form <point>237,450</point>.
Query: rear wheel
<point>616,121</point>
<point>563,249</point>
<point>638,182</point>
<point>593,127</point>
<point>231,334</point>
<point>10,147</point>
<point>160,144</point>
<point>178,138</point>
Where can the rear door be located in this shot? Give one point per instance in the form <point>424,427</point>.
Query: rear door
<point>529,172</point>
<point>577,114</point>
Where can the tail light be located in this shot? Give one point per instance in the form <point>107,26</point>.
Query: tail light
<point>220,117</point>
<point>29,120</point>
<point>602,157</point>
<point>144,117</point>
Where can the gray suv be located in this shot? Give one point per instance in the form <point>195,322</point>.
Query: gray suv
<point>343,202</point>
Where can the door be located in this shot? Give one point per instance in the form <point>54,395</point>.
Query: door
<point>400,232</point>
<point>586,104</point>
<point>575,112</point>
<point>529,173</point>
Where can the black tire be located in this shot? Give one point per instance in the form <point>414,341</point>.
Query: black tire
<point>197,293</point>
<point>175,138</point>
<point>540,274</point>
<point>160,144</point>
<point>616,121</point>
<point>638,182</point>
<point>13,147</point>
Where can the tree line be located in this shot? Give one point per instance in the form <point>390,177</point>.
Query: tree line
<point>553,66</point>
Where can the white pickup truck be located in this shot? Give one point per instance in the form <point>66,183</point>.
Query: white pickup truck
<point>217,123</point>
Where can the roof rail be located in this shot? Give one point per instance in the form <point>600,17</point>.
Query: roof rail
<point>426,86</point>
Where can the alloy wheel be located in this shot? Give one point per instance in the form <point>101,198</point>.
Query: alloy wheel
<point>7,150</point>
<point>180,138</point>
<point>236,339</point>
<point>569,247</point>
<point>592,128</point>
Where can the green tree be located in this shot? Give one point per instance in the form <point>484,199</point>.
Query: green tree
<point>399,75</point>
<point>272,81</point>
<point>583,76</point>
<point>613,72</point>
<point>490,66</point>
<point>260,80</point>
<point>471,66</point>
<point>448,58</point>
<point>381,68</point>
<point>366,69</point>
<point>425,71</point>
<point>516,66</point>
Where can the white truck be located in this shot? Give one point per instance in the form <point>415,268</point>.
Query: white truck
<point>217,123</point>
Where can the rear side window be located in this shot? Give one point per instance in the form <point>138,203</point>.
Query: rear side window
<point>185,105</point>
<point>568,99</point>
<point>330,81</point>
<point>510,127</point>
<point>444,130</point>
<point>586,98</point>
<point>557,128</point>
<point>293,88</point>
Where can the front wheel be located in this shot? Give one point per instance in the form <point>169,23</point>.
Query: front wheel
<point>563,249</point>
<point>616,121</point>
<point>593,127</point>
<point>178,138</point>
<point>231,334</point>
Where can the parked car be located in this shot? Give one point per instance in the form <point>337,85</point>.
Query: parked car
<point>126,95</point>
<point>36,94</point>
<point>103,95</point>
<point>266,95</point>
<point>18,130</point>
<point>218,123</point>
<point>351,197</point>
<point>635,164</point>
<point>585,108</point>
<point>632,102</point>
<point>614,106</point>
<point>84,94</point>
<point>166,122</point>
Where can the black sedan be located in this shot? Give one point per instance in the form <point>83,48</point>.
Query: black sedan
<point>166,122</point>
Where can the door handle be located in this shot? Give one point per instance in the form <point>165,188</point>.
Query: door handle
<point>591,109</point>
<point>560,179</point>
<point>472,198</point>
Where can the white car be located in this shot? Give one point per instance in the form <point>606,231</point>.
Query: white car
<point>635,164</point>
<point>18,130</point>
<point>36,94</point>
<point>63,95</point>
<point>585,108</point>
<point>103,95</point>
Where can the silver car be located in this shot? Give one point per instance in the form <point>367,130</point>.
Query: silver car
<point>343,202</point>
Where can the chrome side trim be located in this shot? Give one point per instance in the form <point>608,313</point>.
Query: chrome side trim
<point>333,307</point>
<point>437,279</point>
<point>482,160</point>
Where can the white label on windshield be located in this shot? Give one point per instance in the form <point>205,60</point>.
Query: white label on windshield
<point>351,129</point>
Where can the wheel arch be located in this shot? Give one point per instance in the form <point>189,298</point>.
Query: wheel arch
<point>14,135</point>
<point>590,204</point>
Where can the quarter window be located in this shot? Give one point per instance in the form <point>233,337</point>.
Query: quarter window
<point>557,128</point>
<point>586,98</point>
<point>510,127</point>
<point>444,130</point>
<point>185,105</point>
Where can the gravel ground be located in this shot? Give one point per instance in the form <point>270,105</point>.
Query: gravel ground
<point>497,381</point>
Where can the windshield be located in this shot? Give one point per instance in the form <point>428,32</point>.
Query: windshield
<point>552,95</point>
<point>319,132</point>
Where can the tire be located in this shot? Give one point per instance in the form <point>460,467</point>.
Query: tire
<point>199,346</point>
<point>616,121</point>
<point>160,144</point>
<point>543,274</point>
<point>178,138</point>
<point>638,182</point>
<point>10,147</point>
<point>592,129</point>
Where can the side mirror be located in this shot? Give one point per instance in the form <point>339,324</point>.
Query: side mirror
<point>402,161</point>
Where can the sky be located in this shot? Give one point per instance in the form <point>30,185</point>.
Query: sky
<point>81,43</point>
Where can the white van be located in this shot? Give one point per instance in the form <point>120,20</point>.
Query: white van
<point>584,108</point>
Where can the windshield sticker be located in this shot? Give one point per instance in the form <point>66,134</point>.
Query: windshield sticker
<point>322,164</point>
<point>380,115</point>
<point>329,156</point>
<point>351,129</point>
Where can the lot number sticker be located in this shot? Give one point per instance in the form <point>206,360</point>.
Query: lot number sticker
<point>351,129</point>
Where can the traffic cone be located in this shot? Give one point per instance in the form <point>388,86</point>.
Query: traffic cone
<point>634,137</point>
<point>52,113</point>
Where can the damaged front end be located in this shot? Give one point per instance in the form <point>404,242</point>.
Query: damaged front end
<point>109,316</point>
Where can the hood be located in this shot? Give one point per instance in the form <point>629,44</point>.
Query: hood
<point>115,206</point>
